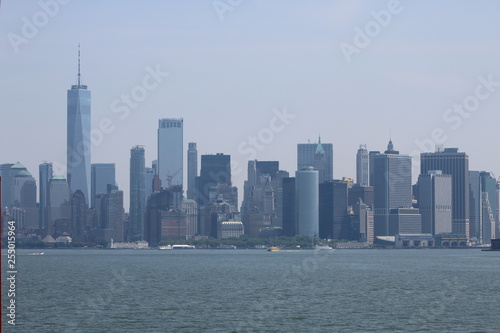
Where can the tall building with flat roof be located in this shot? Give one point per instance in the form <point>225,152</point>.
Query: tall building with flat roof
<point>102,175</point>
<point>490,206</point>
<point>452,162</point>
<point>307,201</point>
<point>45,174</point>
<point>170,151</point>
<point>78,137</point>
<point>215,169</point>
<point>24,191</point>
<point>59,203</point>
<point>371,168</point>
<point>475,206</point>
<point>333,221</point>
<point>137,193</point>
<point>362,166</point>
<point>392,187</point>
<point>192,169</point>
<point>289,211</point>
<point>6,188</point>
<point>317,155</point>
<point>434,202</point>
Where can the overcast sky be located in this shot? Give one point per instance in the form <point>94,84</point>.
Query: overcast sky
<point>352,71</point>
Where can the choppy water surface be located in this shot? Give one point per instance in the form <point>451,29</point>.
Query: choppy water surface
<point>257,291</point>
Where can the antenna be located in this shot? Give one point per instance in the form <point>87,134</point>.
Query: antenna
<point>79,65</point>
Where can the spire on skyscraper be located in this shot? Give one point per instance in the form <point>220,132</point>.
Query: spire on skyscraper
<point>79,64</point>
<point>390,148</point>
<point>319,148</point>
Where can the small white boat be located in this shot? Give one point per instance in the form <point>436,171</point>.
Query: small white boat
<point>183,246</point>
<point>165,247</point>
<point>323,247</point>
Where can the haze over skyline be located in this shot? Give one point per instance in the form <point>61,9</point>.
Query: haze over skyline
<point>228,78</point>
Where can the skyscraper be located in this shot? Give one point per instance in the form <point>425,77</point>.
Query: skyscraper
<point>452,162</point>
<point>371,156</point>
<point>137,193</point>
<point>290,228</point>
<point>45,174</point>
<point>215,169</point>
<point>103,174</point>
<point>434,202</point>
<point>192,169</point>
<point>392,188</point>
<point>170,151</point>
<point>490,206</point>
<point>59,203</point>
<point>475,206</point>
<point>307,201</point>
<point>317,155</point>
<point>362,166</point>
<point>8,172</point>
<point>150,175</point>
<point>24,195</point>
<point>79,210</point>
<point>259,197</point>
<point>78,137</point>
<point>333,220</point>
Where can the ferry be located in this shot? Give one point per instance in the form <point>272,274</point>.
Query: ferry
<point>273,248</point>
<point>183,247</point>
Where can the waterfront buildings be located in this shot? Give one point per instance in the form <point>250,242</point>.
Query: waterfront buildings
<point>227,229</point>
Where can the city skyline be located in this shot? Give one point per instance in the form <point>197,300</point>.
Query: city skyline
<point>251,86</point>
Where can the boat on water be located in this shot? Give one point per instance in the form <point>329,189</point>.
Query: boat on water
<point>273,248</point>
<point>165,247</point>
<point>183,247</point>
<point>226,247</point>
<point>37,253</point>
<point>323,247</point>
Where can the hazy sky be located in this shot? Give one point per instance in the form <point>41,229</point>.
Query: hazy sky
<point>233,64</point>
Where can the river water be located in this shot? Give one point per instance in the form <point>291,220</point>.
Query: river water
<point>419,290</point>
